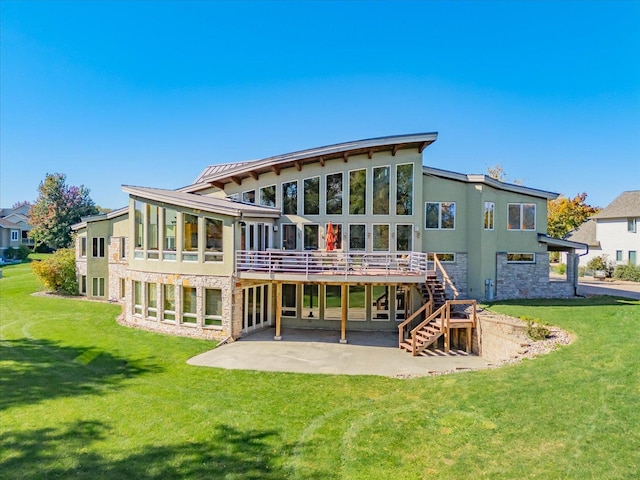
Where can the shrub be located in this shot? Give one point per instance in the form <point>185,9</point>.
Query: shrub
<point>560,269</point>
<point>9,252</point>
<point>627,272</point>
<point>600,263</point>
<point>58,272</point>
<point>536,329</point>
<point>22,253</point>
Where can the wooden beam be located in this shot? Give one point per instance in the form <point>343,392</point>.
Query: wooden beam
<point>394,150</point>
<point>237,180</point>
<point>275,169</point>
<point>422,146</point>
<point>370,154</point>
<point>321,160</point>
<point>253,175</point>
<point>345,157</point>
<point>298,165</point>
<point>343,323</point>
<point>219,185</point>
<point>278,335</point>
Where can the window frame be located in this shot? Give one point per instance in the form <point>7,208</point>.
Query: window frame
<point>316,180</point>
<point>136,297</point>
<point>411,227</point>
<point>632,225</point>
<point>97,247</point>
<point>363,194</point>
<point>211,317</point>
<point>275,196</point>
<point>305,247</point>
<point>288,310</point>
<point>83,247</point>
<point>189,317</point>
<point>412,194</point>
<point>516,257</point>
<point>364,241</point>
<point>373,182</point>
<point>522,206</point>
<point>151,312</point>
<point>249,196</point>
<point>17,235</point>
<point>213,253</point>
<point>373,237</point>
<point>283,228</point>
<point>440,222</point>
<point>340,210</point>
<point>97,287</point>
<point>294,204</point>
<point>489,216</point>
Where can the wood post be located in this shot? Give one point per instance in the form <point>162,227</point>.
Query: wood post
<point>345,300</point>
<point>278,336</point>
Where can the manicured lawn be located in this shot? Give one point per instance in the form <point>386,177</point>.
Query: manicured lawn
<point>82,397</point>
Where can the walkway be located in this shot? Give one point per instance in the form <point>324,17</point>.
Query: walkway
<point>618,288</point>
<point>319,351</point>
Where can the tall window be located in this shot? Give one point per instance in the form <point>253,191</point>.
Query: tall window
<point>334,194</point>
<point>170,223</point>
<point>333,302</point>
<point>381,190</point>
<point>137,297</point>
<point>440,215</point>
<point>404,238</point>
<point>98,287</point>
<point>83,246</point>
<point>357,237</point>
<point>489,214</point>
<point>311,198</point>
<point>633,260</point>
<point>138,223</point>
<point>631,225</point>
<point>310,237</point>
<point>522,216</point>
<point>289,300</point>
<point>212,307</point>
<point>357,302</point>
<point>169,301</point>
<point>380,302</point>
<point>152,222</point>
<point>213,231</point>
<point>97,247</point>
<point>268,196</point>
<point>249,196</point>
<point>189,302</point>
<point>310,301</point>
<point>83,284</point>
<point>152,300</point>
<point>404,189</point>
<point>290,198</point>
<point>289,236</point>
<point>358,192</point>
<point>190,233</point>
<point>380,237</point>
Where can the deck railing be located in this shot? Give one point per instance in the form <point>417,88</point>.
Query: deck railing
<point>331,262</point>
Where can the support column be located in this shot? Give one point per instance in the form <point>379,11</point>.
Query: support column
<point>345,302</point>
<point>278,336</point>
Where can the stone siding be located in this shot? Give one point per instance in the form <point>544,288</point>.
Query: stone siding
<point>117,269</point>
<point>458,273</point>
<point>529,280</point>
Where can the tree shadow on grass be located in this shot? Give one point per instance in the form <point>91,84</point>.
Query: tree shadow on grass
<point>70,453</point>
<point>36,370</point>
<point>591,301</point>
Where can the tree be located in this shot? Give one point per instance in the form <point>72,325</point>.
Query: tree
<point>58,272</point>
<point>57,208</point>
<point>500,174</point>
<point>564,214</point>
<point>21,203</point>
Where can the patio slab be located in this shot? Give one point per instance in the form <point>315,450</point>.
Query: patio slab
<point>318,351</point>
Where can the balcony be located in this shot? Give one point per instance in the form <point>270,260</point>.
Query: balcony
<point>332,266</point>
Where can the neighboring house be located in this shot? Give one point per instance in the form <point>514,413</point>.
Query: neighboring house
<point>613,231</point>
<point>14,228</point>
<point>343,236</point>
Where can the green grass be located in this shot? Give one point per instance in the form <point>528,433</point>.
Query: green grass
<point>82,397</point>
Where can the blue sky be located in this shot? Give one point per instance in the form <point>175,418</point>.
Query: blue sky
<point>149,93</point>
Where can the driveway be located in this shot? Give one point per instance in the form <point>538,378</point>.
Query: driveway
<point>589,286</point>
<point>319,351</point>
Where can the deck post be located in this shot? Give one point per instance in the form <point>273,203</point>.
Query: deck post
<point>469,339</point>
<point>343,326</point>
<point>447,329</point>
<point>278,336</point>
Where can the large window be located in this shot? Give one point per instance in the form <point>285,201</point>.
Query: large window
<point>190,236</point>
<point>522,216</point>
<point>97,247</point>
<point>170,223</point>
<point>212,307</point>
<point>404,189</point>
<point>138,223</point>
<point>311,200</point>
<point>404,238</point>
<point>311,237</point>
<point>169,302</point>
<point>358,192</point>
<point>310,301</point>
<point>489,215</point>
<point>334,194</point>
<point>137,297</point>
<point>289,300</point>
<point>381,190</point>
<point>290,198</point>
<point>289,236</point>
<point>357,302</point>
<point>440,215</point>
<point>214,248</point>
<point>268,196</point>
<point>380,237</point>
<point>333,302</point>
<point>357,237</point>
<point>189,305</point>
<point>152,300</point>
<point>152,232</point>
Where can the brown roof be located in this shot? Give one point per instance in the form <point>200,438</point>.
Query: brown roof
<point>627,204</point>
<point>585,233</point>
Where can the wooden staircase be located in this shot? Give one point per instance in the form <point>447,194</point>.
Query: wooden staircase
<point>425,336</point>
<point>437,290</point>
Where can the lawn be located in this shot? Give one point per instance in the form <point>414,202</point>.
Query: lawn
<point>82,397</point>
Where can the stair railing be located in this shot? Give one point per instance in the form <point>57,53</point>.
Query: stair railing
<point>446,280</point>
<point>442,312</point>
<point>401,327</point>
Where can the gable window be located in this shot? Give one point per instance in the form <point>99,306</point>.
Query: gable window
<point>311,200</point>
<point>489,214</point>
<point>15,235</point>
<point>334,194</point>
<point>212,307</point>
<point>138,223</point>
<point>440,215</point>
<point>289,236</point>
<point>289,291</point>
<point>631,225</point>
<point>337,234</point>
<point>213,232</point>
<point>404,238</point>
<point>268,196</point>
<point>290,198</point>
<point>404,189</point>
<point>381,190</point>
<point>522,216</point>
<point>249,196</point>
<point>358,192</point>
<point>357,237</point>
<point>189,302</point>
<point>152,300</point>
<point>311,237</point>
<point>521,257</point>
<point>83,246</point>
<point>97,247</point>
<point>380,237</point>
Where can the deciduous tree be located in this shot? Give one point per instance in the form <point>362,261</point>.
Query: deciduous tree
<point>565,214</point>
<point>57,208</point>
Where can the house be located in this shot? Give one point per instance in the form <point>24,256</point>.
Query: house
<point>353,236</point>
<point>14,228</point>
<point>613,231</point>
